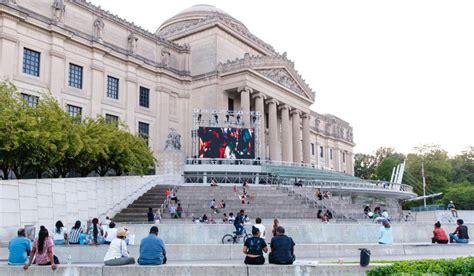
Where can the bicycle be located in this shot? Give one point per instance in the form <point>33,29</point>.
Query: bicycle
<point>234,238</point>
<point>447,217</point>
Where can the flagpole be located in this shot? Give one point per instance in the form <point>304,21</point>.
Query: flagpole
<point>424,184</point>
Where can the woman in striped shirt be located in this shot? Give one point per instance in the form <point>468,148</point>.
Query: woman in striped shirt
<point>75,233</point>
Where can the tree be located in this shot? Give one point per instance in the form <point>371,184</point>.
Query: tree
<point>364,166</point>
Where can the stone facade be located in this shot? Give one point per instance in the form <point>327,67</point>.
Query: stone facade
<point>198,59</point>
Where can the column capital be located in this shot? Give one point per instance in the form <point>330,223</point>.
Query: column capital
<point>269,101</point>
<point>305,115</point>
<point>284,106</point>
<point>295,112</point>
<point>244,88</point>
<point>259,95</point>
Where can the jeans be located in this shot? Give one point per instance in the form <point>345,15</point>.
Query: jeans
<point>238,229</point>
<point>454,237</point>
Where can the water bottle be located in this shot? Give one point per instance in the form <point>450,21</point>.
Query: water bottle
<point>69,258</point>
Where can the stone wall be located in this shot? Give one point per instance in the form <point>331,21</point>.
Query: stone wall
<point>44,201</point>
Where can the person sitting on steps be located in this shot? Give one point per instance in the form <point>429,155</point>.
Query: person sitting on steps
<point>439,235</point>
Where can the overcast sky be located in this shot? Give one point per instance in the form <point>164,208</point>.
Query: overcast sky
<point>400,72</point>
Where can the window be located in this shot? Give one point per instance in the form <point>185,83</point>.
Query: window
<point>312,149</point>
<point>74,111</point>
<point>343,157</point>
<point>321,151</point>
<point>31,62</point>
<point>144,131</point>
<point>75,75</point>
<point>230,104</point>
<point>144,97</point>
<point>112,87</point>
<point>111,119</point>
<point>266,120</point>
<point>30,100</point>
<point>330,154</point>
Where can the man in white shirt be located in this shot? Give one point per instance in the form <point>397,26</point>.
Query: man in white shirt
<point>117,253</point>
<point>260,226</point>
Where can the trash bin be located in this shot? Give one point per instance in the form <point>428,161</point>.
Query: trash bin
<point>364,256</point>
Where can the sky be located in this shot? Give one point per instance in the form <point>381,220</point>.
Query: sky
<point>400,72</point>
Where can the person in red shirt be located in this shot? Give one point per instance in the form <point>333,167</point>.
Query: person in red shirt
<point>439,235</point>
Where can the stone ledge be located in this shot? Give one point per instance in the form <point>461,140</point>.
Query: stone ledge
<point>189,269</point>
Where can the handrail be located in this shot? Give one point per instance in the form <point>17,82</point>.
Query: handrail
<point>126,198</point>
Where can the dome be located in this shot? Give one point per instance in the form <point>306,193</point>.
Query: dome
<point>194,14</point>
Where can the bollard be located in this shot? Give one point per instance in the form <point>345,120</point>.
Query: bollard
<point>364,256</point>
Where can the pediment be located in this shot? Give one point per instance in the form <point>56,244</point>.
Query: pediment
<point>284,78</point>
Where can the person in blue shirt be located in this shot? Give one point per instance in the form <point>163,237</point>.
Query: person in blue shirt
<point>239,222</point>
<point>385,233</point>
<point>152,249</point>
<point>19,248</point>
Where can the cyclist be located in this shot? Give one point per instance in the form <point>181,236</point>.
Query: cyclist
<point>239,222</point>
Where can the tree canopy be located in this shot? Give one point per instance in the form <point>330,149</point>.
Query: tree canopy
<point>453,176</point>
<point>44,140</point>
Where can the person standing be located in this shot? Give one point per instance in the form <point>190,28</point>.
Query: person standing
<point>439,235</point>
<point>282,248</point>
<point>152,249</point>
<point>117,254</point>
<point>19,248</point>
<point>385,233</point>
<point>150,215</point>
<point>461,234</point>
<point>254,248</point>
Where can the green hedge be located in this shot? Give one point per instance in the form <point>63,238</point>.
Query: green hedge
<point>458,266</point>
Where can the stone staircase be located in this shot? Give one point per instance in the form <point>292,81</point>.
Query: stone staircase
<point>265,201</point>
<point>137,211</point>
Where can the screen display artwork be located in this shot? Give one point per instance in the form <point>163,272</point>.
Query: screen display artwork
<point>226,143</point>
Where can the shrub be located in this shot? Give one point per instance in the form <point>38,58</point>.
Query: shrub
<point>458,266</point>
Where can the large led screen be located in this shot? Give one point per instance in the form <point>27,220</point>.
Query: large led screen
<point>226,143</point>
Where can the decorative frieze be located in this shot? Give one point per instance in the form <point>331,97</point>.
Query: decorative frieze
<point>277,68</point>
<point>99,29</point>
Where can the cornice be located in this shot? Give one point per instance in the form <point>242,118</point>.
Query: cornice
<point>191,27</point>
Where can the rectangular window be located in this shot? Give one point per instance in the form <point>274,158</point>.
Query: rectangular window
<point>144,97</point>
<point>111,119</point>
<point>312,149</point>
<point>75,75</point>
<point>330,154</point>
<point>321,151</point>
<point>74,111</point>
<point>266,120</point>
<point>112,87</point>
<point>31,62</point>
<point>144,131</point>
<point>230,104</point>
<point>30,100</point>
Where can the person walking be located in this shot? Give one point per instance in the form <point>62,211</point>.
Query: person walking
<point>385,233</point>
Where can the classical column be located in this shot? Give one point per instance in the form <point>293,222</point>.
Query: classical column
<point>306,146</point>
<point>295,120</point>
<point>260,107</point>
<point>245,103</point>
<point>285,133</point>
<point>273,126</point>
